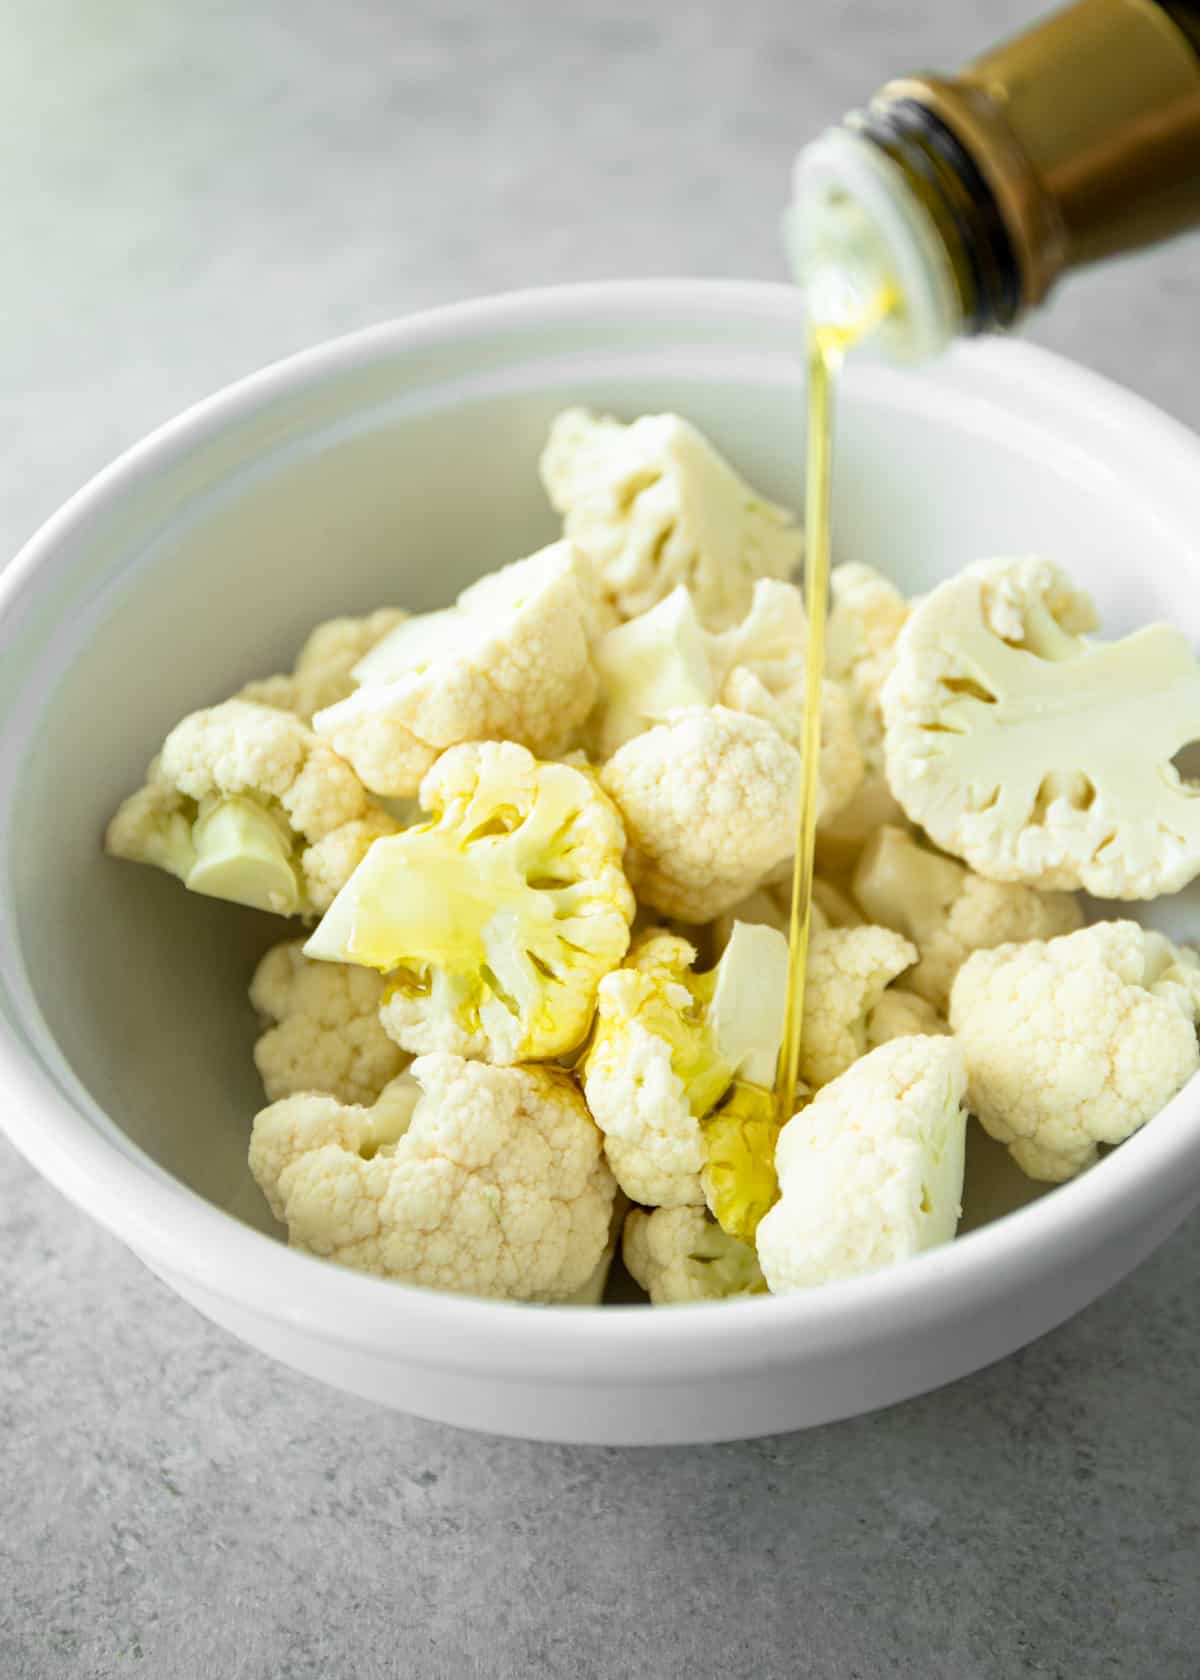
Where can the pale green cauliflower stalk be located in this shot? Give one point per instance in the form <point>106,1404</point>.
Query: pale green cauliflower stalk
<point>681,1254</point>
<point>510,662</point>
<point>709,803</point>
<point>325,1033</point>
<point>654,505</point>
<point>947,911</point>
<point>866,618</point>
<point>495,920</point>
<point>245,803</point>
<point>323,672</point>
<point>463,1177</point>
<point>1035,755</point>
<point>871,1172</point>
<point>1077,1041</point>
<point>679,1071</point>
<point>848,972</point>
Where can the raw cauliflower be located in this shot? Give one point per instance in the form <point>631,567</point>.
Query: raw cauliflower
<point>947,911</point>
<point>245,803</point>
<point>682,1062</point>
<point>709,803</point>
<point>680,1254</point>
<point>496,919</point>
<point>325,1032</point>
<point>1035,755</point>
<point>871,1172</point>
<point>903,1014</point>
<point>865,620</point>
<point>510,662</point>
<point>1077,1041</point>
<point>848,971</point>
<point>323,672</point>
<point>654,505</point>
<point>475,1179</point>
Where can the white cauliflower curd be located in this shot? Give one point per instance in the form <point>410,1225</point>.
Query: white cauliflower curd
<point>496,919</point>
<point>654,505</point>
<point>510,662</point>
<point>475,1179</point>
<point>679,1254</point>
<point>1034,754</point>
<point>324,1031</point>
<point>871,1172</point>
<point>245,803</point>
<point>1076,1042</point>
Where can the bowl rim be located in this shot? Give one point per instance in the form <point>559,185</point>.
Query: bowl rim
<point>184,1236</point>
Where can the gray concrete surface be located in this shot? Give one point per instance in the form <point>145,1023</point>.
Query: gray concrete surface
<point>188,193</point>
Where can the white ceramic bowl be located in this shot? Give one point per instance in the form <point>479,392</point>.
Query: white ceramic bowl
<point>394,466</point>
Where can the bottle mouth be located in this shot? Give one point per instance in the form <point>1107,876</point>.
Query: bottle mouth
<point>854,228</point>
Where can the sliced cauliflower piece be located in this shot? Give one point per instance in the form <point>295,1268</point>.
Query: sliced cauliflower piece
<point>510,662</point>
<point>245,803</point>
<point>1075,1042</point>
<point>1035,755</point>
<point>871,1172</point>
<point>947,911</point>
<point>709,802</point>
<point>679,1254</point>
<point>463,1177</point>
<point>496,919</point>
<point>654,505</point>
<point>680,1061</point>
<point>325,1033</point>
<point>650,667</point>
<point>848,970</point>
<point>842,835</point>
<point>903,1014</point>
<point>865,620</point>
<point>323,672</point>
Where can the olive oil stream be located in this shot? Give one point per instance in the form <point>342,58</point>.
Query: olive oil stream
<point>828,342</point>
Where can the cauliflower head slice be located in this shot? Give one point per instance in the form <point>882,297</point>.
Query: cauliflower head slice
<point>325,1033</point>
<point>245,803</point>
<point>947,911</point>
<point>848,971</point>
<point>1075,1042</point>
<point>871,1172</point>
<point>323,672</point>
<point>709,802</point>
<point>1035,755</point>
<point>475,1179</point>
<point>654,505</point>
<point>867,615</point>
<point>510,662</point>
<point>679,1070</point>
<point>496,919</point>
<point>680,1254</point>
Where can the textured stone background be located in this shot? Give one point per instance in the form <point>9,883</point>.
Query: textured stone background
<point>191,192</point>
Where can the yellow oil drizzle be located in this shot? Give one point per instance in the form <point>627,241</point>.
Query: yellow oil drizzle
<point>828,342</point>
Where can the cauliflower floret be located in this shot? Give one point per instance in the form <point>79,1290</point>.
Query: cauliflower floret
<point>902,1014</point>
<point>679,1072</point>
<point>654,505</point>
<point>871,1172</point>
<point>323,672</point>
<point>665,661</point>
<point>842,835</point>
<point>1035,755</point>
<point>947,911</point>
<point>848,969</point>
<point>245,803</point>
<point>496,919</point>
<point>865,620</point>
<point>325,1034</point>
<point>511,662</point>
<point>709,802</point>
<point>464,1177</point>
<point>1077,1041</point>
<point>679,1254</point>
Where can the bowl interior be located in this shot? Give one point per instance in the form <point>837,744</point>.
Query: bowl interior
<point>399,475</point>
